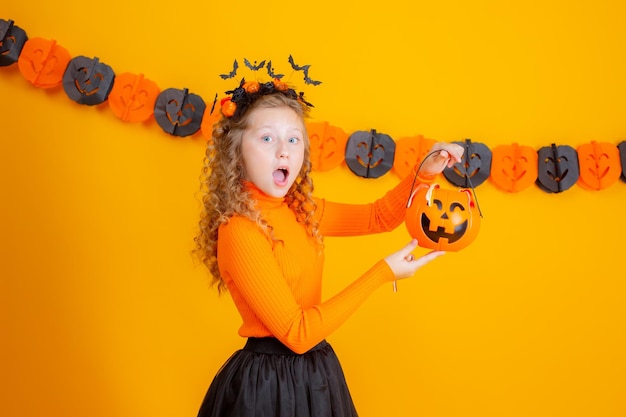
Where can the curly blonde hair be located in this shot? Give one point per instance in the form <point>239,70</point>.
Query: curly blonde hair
<point>223,192</point>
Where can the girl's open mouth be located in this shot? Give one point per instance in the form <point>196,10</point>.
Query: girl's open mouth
<point>280,176</point>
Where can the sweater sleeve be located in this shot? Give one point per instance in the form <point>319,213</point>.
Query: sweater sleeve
<point>255,280</point>
<point>383,215</point>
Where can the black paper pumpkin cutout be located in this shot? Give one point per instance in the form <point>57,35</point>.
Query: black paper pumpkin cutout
<point>88,81</point>
<point>179,112</point>
<point>370,154</point>
<point>622,158</point>
<point>557,167</point>
<point>12,40</point>
<point>474,168</point>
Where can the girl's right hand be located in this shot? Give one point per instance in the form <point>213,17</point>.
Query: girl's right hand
<point>404,264</point>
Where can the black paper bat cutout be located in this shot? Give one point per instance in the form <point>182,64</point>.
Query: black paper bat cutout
<point>254,67</point>
<point>270,71</point>
<point>232,73</point>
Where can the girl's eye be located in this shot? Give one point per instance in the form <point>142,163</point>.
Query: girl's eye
<point>266,138</point>
<point>294,140</point>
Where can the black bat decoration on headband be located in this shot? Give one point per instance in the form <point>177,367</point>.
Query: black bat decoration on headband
<point>232,73</point>
<point>214,103</point>
<point>305,69</point>
<point>297,67</point>
<point>270,72</point>
<point>254,67</point>
<point>301,97</point>
<point>308,80</point>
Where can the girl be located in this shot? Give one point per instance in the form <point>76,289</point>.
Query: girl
<point>261,238</point>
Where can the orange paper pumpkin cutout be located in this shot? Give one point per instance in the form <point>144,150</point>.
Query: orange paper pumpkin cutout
<point>442,219</point>
<point>43,62</point>
<point>410,152</point>
<point>133,97</point>
<point>328,144</point>
<point>210,118</point>
<point>513,167</point>
<point>600,165</point>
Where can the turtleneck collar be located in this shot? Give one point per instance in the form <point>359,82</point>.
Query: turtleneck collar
<point>263,200</point>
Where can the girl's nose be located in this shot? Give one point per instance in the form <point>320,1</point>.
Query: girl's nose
<point>282,151</point>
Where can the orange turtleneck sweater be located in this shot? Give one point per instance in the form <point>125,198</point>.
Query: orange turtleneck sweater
<point>277,285</point>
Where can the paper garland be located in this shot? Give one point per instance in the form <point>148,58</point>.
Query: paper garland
<point>369,154</point>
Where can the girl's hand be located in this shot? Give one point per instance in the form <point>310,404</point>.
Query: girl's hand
<point>404,264</point>
<point>448,155</point>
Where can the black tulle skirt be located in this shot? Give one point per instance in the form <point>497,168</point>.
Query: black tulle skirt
<point>266,379</point>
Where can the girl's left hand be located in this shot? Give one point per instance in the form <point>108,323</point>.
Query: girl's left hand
<point>448,155</point>
<point>403,264</point>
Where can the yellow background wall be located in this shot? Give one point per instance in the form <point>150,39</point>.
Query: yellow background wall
<point>104,313</point>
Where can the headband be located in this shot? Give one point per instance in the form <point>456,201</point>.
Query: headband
<point>249,91</point>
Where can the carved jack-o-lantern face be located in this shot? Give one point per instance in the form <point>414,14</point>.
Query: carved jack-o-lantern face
<point>409,152</point>
<point>43,62</point>
<point>442,219</point>
<point>557,168</point>
<point>327,145</point>
<point>474,168</point>
<point>600,165</point>
<point>514,167</point>
<point>179,112</point>
<point>370,154</point>
<point>88,81</point>
<point>132,97</point>
<point>12,40</point>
